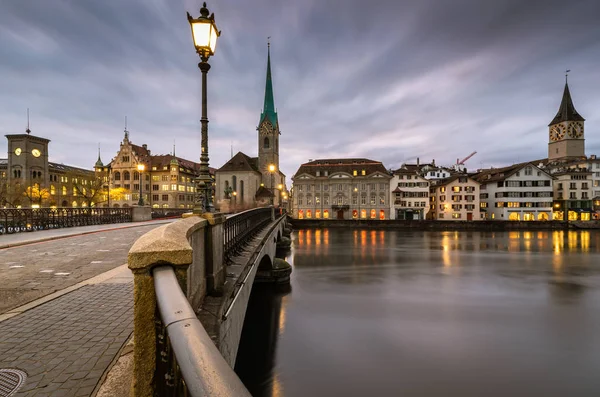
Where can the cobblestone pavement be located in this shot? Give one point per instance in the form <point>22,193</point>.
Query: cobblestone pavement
<point>31,271</point>
<point>65,345</point>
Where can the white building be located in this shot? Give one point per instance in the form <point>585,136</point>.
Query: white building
<point>409,194</point>
<point>520,192</point>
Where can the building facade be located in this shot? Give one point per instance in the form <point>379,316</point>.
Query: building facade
<point>28,179</point>
<point>409,194</point>
<point>341,189</point>
<point>166,181</point>
<point>521,192</point>
<point>455,198</point>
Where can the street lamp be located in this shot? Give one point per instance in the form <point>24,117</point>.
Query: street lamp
<point>140,168</point>
<point>358,201</point>
<point>279,188</point>
<point>234,200</point>
<point>272,170</point>
<point>204,33</point>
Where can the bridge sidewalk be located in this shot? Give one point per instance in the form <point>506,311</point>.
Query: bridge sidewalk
<point>65,345</point>
<point>23,238</point>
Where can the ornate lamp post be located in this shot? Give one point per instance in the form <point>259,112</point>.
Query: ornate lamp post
<point>234,200</point>
<point>204,33</point>
<point>358,201</point>
<point>272,170</point>
<point>279,188</point>
<point>140,168</point>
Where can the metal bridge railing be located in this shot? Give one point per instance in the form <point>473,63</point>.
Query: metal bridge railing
<point>187,361</point>
<point>239,228</point>
<point>15,220</point>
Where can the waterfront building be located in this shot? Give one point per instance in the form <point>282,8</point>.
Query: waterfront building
<point>341,189</point>
<point>517,192</point>
<point>28,179</point>
<point>455,198</point>
<point>409,191</point>
<point>567,162</point>
<point>238,181</point>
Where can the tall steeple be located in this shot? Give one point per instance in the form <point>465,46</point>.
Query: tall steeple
<point>566,111</point>
<point>99,161</point>
<point>269,106</point>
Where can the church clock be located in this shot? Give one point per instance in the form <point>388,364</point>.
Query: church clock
<point>576,130</point>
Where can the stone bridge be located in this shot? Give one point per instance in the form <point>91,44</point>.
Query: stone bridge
<point>192,282</point>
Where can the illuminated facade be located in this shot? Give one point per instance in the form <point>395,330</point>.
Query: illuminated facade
<point>521,192</point>
<point>455,199</point>
<point>28,179</point>
<point>167,181</point>
<point>409,194</point>
<point>341,189</point>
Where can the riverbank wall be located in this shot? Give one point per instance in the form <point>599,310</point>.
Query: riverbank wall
<point>436,225</point>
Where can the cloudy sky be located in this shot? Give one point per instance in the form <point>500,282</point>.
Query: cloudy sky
<point>390,80</point>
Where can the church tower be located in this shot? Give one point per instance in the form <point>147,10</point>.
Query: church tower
<point>566,138</point>
<point>268,128</point>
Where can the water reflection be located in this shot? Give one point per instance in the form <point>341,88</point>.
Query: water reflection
<point>431,313</point>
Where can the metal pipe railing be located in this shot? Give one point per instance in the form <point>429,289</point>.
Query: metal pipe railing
<point>188,362</point>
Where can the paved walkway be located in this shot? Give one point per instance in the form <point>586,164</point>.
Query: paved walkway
<point>66,341</point>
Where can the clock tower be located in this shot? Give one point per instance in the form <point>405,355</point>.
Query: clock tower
<point>566,135</point>
<point>268,130</point>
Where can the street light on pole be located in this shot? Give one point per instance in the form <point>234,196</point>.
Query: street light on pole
<point>140,168</point>
<point>358,201</point>
<point>272,170</point>
<point>234,200</point>
<point>205,34</point>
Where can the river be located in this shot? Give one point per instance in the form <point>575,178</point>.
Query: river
<point>411,313</point>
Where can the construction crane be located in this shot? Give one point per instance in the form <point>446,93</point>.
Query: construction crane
<point>460,164</point>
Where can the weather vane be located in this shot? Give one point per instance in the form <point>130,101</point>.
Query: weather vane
<point>567,75</point>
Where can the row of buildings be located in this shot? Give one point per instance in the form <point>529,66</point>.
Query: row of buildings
<point>565,185</point>
<point>29,179</point>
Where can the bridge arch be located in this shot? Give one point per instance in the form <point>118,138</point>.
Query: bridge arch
<point>265,263</point>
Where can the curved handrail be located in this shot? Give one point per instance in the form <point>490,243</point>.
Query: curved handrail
<point>204,370</point>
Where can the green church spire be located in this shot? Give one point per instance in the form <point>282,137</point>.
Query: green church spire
<point>269,106</point>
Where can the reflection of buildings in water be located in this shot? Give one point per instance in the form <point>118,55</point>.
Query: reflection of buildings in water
<point>573,240</point>
<point>265,320</point>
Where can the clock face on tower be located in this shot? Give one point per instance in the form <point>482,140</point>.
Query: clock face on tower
<point>557,132</point>
<point>265,129</point>
<point>576,130</point>
<point>18,151</point>
<point>36,153</point>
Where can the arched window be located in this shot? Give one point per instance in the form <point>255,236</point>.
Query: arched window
<point>234,183</point>
<point>126,175</point>
<point>117,176</point>
<point>241,193</point>
<point>64,193</point>
<point>52,189</point>
<point>266,143</point>
<point>64,203</point>
<point>74,204</point>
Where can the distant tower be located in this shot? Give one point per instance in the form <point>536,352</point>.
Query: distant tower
<point>566,135</point>
<point>268,127</point>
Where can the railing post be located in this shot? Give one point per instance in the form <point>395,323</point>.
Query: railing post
<point>160,246</point>
<point>214,247</point>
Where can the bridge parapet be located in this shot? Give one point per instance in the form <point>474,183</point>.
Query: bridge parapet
<point>173,352</point>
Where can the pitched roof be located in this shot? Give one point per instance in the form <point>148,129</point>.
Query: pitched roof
<point>240,162</point>
<point>450,179</point>
<point>140,150</point>
<point>67,168</point>
<point>566,111</point>
<point>341,165</point>
<point>162,160</point>
<point>269,105</point>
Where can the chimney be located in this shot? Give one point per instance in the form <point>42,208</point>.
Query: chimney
<point>145,146</point>
<point>433,162</point>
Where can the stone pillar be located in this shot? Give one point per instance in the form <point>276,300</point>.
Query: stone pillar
<point>140,214</point>
<point>215,268</point>
<point>165,245</point>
